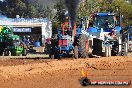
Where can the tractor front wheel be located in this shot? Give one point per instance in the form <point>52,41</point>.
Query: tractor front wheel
<point>1,52</point>
<point>6,52</point>
<point>24,52</point>
<point>115,49</point>
<point>52,56</point>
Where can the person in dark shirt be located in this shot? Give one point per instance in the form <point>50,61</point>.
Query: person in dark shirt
<point>112,33</point>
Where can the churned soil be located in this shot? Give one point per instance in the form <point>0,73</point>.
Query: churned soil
<point>62,73</point>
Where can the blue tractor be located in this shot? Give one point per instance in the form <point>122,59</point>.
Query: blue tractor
<point>104,37</point>
<point>107,35</point>
<point>69,41</point>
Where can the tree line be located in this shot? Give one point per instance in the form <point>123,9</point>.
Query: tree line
<point>121,7</point>
<point>55,9</point>
<point>24,8</point>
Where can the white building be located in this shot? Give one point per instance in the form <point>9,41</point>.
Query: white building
<point>22,26</point>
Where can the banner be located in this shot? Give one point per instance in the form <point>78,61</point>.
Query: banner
<point>21,29</point>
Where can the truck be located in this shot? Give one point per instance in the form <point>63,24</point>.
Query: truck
<point>10,43</point>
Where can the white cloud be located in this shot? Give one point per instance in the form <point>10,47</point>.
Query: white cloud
<point>1,0</point>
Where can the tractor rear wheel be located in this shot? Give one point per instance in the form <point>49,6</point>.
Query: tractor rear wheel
<point>83,46</point>
<point>115,49</point>
<point>124,46</point>
<point>124,49</point>
<point>76,52</point>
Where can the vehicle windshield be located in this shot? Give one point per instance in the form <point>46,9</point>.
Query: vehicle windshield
<point>103,22</point>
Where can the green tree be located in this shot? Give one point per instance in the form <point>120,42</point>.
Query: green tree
<point>39,10</point>
<point>60,11</point>
<point>123,8</point>
<point>13,8</point>
<point>115,6</point>
<point>119,7</point>
<point>25,8</point>
<point>88,7</point>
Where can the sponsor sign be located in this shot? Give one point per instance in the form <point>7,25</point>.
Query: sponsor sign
<point>111,82</point>
<point>21,29</point>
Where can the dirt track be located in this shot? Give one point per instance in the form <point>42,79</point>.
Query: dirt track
<point>65,73</point>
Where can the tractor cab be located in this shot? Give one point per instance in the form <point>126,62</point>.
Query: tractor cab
<point>105,21</point>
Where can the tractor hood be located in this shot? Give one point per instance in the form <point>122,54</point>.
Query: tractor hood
<point>66,37</point>
<point>94,29</point>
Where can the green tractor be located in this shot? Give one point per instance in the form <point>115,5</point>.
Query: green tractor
<point>11,44</point>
